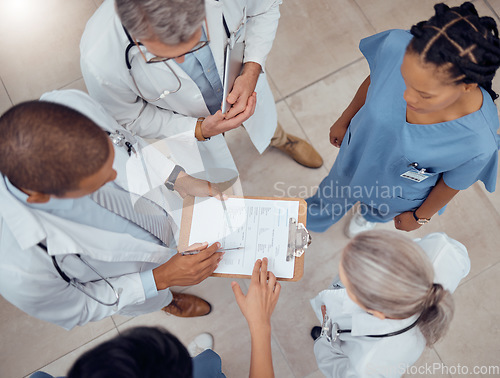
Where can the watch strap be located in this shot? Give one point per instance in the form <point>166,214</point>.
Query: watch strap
<point>419,220</point>
<point>197,130</point>
<point>173,177</point>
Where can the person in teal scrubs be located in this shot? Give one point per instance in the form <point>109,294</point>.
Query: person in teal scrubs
<point>421,127</point>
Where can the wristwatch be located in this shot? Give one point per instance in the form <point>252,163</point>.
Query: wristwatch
<point>197,130</point>
<point>173,177</point>
<point>420,221</point>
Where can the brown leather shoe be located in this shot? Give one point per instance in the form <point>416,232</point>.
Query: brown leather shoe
<point>301,151</point>
<point>187,306</point>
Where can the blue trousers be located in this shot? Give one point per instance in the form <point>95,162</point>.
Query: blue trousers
<point>207,365</point>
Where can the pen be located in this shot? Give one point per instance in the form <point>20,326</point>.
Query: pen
<point>189,253</point>
<point>226,214</point>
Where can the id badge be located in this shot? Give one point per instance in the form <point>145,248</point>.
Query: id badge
<point>415,175</point>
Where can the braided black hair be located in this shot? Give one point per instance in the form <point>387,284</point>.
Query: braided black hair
<point>457,37</point>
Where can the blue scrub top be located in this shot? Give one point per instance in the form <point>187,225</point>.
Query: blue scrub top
<point>380,145</point>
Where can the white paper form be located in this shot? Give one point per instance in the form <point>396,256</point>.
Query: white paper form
<point>259,226</point>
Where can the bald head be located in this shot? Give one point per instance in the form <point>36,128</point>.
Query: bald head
<point>50,148</point>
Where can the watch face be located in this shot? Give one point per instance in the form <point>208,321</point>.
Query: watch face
<point>423,221</point>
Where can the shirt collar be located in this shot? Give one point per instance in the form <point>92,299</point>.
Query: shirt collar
<point>365,324</point>
<point>53,204</point>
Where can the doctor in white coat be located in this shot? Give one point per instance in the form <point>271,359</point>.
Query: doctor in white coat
<point>393,299</point>
<point>157,67</point>
<point>48,224</point>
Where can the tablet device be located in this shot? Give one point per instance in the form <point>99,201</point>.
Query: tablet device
<point>233,64</point>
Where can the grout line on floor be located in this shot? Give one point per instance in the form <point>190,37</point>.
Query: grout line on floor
<point>71,82</point>
<point>465,282</point>
<point>320,79</point>
<point>439,356</point>
<point>374,30</point>
<point>7,92</point>
<point>273,337</point>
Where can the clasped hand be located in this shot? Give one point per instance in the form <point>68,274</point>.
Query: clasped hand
<point>243,100</point>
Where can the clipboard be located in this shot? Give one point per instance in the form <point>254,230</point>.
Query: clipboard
<point>298,237</point>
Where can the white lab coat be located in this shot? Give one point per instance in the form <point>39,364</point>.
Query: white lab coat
<point>104,69</point>
<point>358,356</point>
<point>28,278</point>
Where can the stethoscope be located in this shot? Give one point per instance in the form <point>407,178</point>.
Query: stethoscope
<point>331,330</point>
<point>79,285</point>
<point>129,67</point>
<point>120,140</point>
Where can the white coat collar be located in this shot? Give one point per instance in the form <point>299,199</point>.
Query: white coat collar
<point>19,219</point>
<point>366,324</point>
<point>31,226</point>
<point>340,308</point>
<point>53,204</point>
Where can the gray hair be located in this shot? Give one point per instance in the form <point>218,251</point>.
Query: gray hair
<point>390,273</point>
<point>171,21</point>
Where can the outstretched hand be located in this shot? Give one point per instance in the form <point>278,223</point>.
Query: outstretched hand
<point>257,307</point>
<point>188,185</point>
<point>259,303</point>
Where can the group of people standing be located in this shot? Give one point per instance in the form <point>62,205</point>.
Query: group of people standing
<point>86,217</point>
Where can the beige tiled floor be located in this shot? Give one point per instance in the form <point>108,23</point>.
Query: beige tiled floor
<point>314,69</point>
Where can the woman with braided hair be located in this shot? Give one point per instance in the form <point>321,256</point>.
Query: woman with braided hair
<point>393,299</point>
<point>420,128</point>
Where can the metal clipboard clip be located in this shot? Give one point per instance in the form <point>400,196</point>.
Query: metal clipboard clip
<point>298,239</point>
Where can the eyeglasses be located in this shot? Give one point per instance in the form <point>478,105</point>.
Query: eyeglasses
<point>159,59</point>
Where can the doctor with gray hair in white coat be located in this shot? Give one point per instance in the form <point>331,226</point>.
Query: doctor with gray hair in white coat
<point>157,66</point>
<point>393,299</point>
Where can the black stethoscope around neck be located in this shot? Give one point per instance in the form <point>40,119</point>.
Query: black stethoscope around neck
<point>129,67</point>
<point>80,285</point>
<point>331,330</point>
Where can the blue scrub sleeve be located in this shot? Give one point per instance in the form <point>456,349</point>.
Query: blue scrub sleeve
<point>381,48</point>
<point>482,168</point>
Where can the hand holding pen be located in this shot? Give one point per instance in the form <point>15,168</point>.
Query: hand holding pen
<point>189,253</point>
<point>188,270</point>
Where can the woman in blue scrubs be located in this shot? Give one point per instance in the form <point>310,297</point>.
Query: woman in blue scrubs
<point>421,127</point>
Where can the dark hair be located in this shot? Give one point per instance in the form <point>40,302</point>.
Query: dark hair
<point>142,352</point>
<point>458,37</point>
<point>50,148</point>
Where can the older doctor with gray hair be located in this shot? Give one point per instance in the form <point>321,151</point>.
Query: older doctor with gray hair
<point>393,299</point>
<point>158,68</point>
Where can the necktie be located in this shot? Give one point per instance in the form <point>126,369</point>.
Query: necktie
<point>139,210</point>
